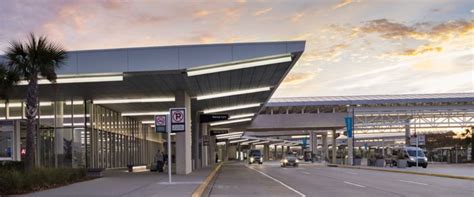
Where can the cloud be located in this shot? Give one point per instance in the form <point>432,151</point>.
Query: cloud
<point>112,4</point>
<point>421,50</point>
<point>201,13</point>
<point>329,54</point>
<point>296,17</point>
<point>262,11</point>
<point>342,4</point>
<point>420,31</point>
<point>298,78</point>
<point>148,19</point>
<point>387,29</point>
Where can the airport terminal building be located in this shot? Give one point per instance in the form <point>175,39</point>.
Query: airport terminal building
<point>100,112</point>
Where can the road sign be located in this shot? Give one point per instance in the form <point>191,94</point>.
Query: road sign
<point>213,117</point>
<point>421,140</point>
<point>160,123</point>
<point>218,132</point>
<point>178,119</point>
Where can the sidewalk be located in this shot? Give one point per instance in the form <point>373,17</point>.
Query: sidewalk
<point>121,183</point>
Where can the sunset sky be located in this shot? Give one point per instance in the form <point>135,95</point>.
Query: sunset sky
<point>353,47</point>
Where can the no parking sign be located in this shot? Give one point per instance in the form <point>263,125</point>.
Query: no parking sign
<point>178,119</point>
<point>160,123</point>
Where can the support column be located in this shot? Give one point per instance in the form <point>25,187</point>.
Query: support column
<point>212,150</point>
<point>275,152</point>
<point>314,143</point>
<point>225,153</point>
<point>282,151</point>
<point>196,139</point>
<point>59,134</point>
<point>334,146</point>
<point>324,155</point>
<point>407,132</point>
<point>183,139</point>
<point>266,151</point>
<point>205,149</point>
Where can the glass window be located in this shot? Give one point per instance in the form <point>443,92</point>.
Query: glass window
<point>6,141</point>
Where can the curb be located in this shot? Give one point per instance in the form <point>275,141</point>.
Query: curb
<point>406,172</point>
<point>200,190</point>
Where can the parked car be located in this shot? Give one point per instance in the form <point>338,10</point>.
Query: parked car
<point>255,156</point>
<point>411,154</point>
<point>289,159</point>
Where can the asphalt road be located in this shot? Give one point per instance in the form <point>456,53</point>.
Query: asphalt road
<point>269,179</point>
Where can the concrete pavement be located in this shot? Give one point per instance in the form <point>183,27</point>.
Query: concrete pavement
<point>318,180</point>
<point>121,183</point>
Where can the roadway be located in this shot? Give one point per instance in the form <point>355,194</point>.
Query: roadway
<point>269,179</point>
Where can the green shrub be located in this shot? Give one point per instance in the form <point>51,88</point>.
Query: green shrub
<point>14,181</point>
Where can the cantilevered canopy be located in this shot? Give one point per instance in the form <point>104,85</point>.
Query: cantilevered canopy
<point>235,79</point>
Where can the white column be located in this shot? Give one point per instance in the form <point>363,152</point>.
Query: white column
<point>407,132</point>
<point>334,146</point>
<point>324,155</point>
<point>205,149</point>
<point>183,139</point>
<point>266,151</point>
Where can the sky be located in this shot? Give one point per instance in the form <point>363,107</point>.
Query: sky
<point>353,47</point>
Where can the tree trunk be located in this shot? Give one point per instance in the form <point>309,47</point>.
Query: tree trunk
<point>31,112</point>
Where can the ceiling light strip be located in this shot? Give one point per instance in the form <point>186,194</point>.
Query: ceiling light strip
<point>78,79</point>
<point>241,116</point>
<point>143,100</point>
<point>145,113</point>
<point>231,121</point>
<point>238,65</point>
<point>231,108</point>
<point>233,93</point>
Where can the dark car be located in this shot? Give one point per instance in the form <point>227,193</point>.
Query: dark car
<point>289,159</point>
<point>255,156</point>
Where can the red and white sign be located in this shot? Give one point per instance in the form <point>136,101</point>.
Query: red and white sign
<point>177,115</point>
<point>160,120</point>
<point>178,119</point>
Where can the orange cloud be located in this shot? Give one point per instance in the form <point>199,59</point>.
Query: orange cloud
<point>262,11</point>
<point>425,31</point>
<point>147,19</point>
<point>201,13</point>
<point>342,4</point>
<point>421,50</point>
<point>296,17</point>
<point>298,78</point>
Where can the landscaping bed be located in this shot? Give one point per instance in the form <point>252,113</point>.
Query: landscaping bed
<point>14,180</point>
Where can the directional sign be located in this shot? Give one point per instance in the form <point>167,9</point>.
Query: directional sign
<point>213,117</point>
<point>178,119</point>
<point>160,123</point>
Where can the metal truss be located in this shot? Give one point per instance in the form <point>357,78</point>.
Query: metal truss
<point>426,118</point>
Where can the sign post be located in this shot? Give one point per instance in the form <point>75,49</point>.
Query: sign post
<point>176,123</point>
<point>168,130</point>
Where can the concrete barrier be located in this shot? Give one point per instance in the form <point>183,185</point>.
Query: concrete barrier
<point>204,185</point>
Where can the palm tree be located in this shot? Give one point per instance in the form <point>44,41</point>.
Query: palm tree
<point>34,59</point>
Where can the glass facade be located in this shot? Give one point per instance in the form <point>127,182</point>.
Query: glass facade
<point>82,134</point>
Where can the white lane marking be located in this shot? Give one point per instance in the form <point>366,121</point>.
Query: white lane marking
<point>418,183</point>
<point>354,184</point>
<point>305,172</point>
<point>353,173</point>
<point>278,181</point>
